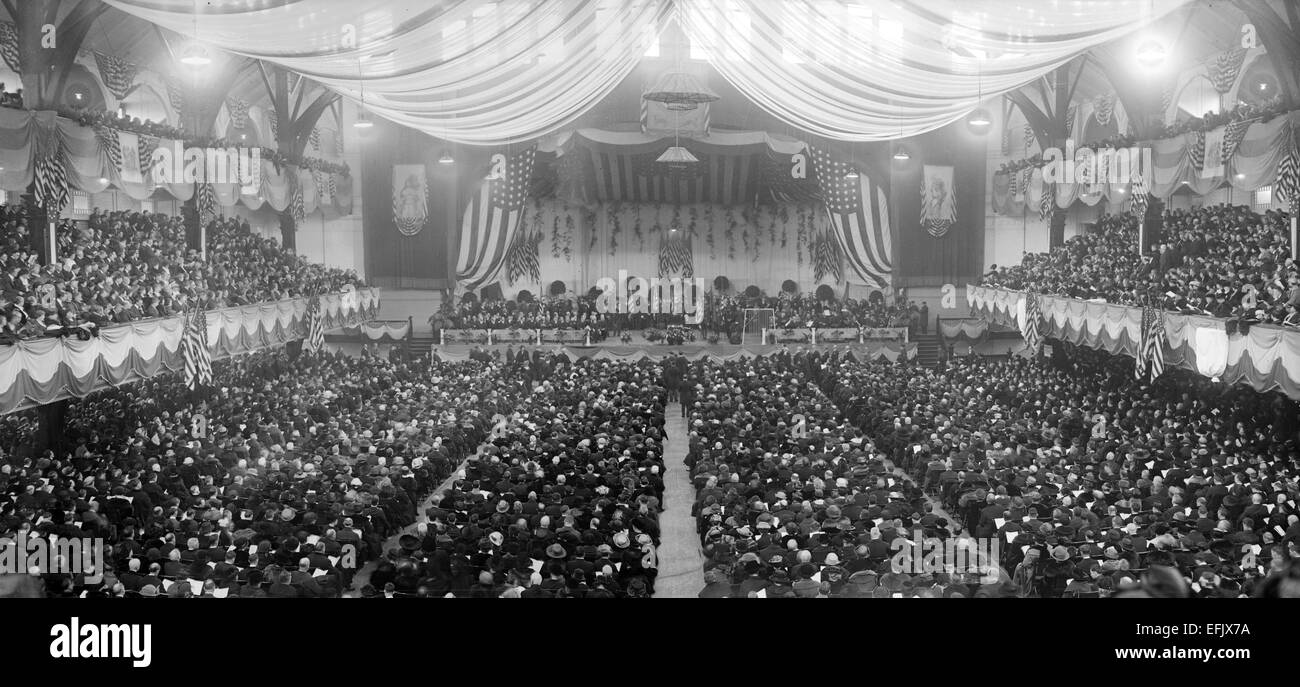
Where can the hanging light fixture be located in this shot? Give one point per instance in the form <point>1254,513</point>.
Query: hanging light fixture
<point>979,119</point>
<point>901,154</point>
<point>196,56</point>
<point>680,91</point>
<point>677,155</point>
<point>852,174</point>
<point>1151,54</point>
<point>363,121</point>
<point>446,158</point>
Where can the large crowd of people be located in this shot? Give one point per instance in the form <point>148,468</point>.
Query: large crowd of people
<point>1225,261</point>
<point>723,315</point>
<point>122,266</point>
<point>1094,484</point>
<point>528,313</point>
<point>282,480</point>
<point>319,475</point>
<point>563,502</point>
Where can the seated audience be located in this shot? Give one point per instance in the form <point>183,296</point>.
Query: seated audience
<point>1224,261</point>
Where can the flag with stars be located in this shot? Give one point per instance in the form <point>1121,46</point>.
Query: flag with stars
<point>491,221</point>
<point>1151,352</point>
<point>1030,329</point>
<point>859,212</point>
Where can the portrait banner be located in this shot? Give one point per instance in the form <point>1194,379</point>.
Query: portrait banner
<point>938,206</point>
<point>410,198</point>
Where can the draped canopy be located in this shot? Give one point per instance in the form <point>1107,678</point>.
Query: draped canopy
<point>486,72</point>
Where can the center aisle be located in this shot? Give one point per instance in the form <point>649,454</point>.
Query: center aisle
<point>681,567</point>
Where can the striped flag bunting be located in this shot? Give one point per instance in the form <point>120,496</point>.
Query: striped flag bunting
<point>1140,195</point>
<point>624,177</point>
<point>523,258</point>
<point>110,146</point>
<point>315,326</point>
<point>675,256</point>
<point>491,221</point>
<point>176,97</point>
<point>826,257</point>
<point>117,74</point>
<point>207,203</point>
<point>1232,135</point>
<point>859,215</point>
<point>1151,354</point>
<point>51,169</point>
<point>1224,69</point>
<point>194,351</point>
<point>297,207</point>
<point>1046,200</point>
<point>1103,107</point>
<point>238,110</point>
<point>1196,149</point>
<point>1287,183</point>
<point>147,145</point>
<point>9,46</point>
<point>1030,330</point>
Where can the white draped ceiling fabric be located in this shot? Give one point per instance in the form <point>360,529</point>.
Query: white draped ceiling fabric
<point>489,73</point>
<point>879,71</point>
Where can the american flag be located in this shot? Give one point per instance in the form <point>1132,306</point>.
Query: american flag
<point>491,220</point>
<point>1140,191</point>
<point>315,326</point>
<point>194,351</point>
<point>859,214</point>
<point>1151,355</point>
<point>1033,313</point>
<point>1287,182</point>
<point>1046,200</point>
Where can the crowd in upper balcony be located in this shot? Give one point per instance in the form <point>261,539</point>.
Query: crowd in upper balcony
<point>122,266</point>
<point>1225,261</point>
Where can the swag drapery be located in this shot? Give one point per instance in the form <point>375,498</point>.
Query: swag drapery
<point>92,159</point>
<point>486,72</point>
<point>1177,162</point>
<point>1267,358</point>
<point>39,371</point>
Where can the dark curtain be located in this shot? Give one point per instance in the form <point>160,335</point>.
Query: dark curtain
<point>394,260</point>
<point>921,259</point>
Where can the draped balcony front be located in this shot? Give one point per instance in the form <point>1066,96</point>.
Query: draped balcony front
<point>38,371</point>
<point>1267,357</point>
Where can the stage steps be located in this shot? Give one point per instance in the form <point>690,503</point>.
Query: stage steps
<point>420,345</point>
<point>927,349</point>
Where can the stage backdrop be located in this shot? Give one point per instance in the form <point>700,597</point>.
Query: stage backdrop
<point>938,197</point>
<point>761,246</point>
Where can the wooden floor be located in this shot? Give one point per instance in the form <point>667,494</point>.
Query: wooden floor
<point>681,565</point>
